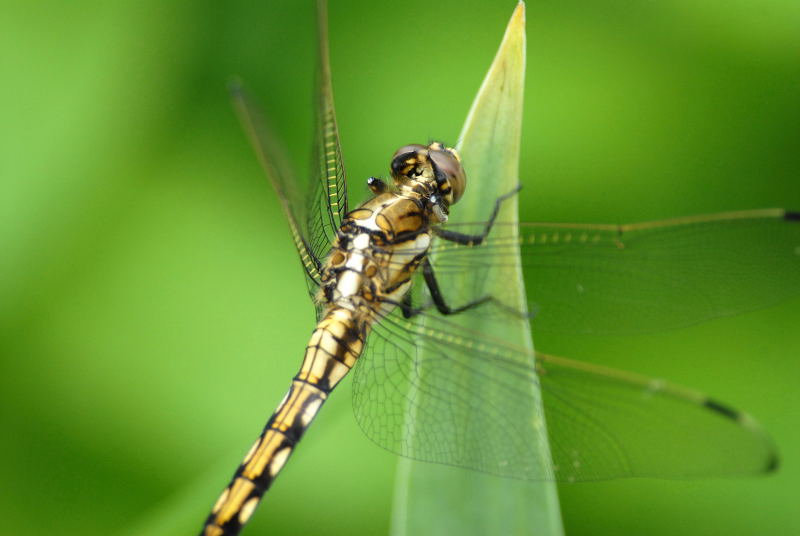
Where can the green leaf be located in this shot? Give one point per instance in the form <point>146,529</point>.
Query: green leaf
<point>437,499</point>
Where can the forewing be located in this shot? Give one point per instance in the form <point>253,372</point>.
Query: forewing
<point>272,157</point>
<point>327,200</point>
<point>441,394</point>
<point>606,423</point>
<point>603,279</point>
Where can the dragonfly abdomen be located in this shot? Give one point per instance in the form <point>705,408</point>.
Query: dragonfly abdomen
<point>333,349</point>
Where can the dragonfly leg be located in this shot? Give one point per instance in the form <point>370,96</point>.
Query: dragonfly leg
<point>436,293</point>
<point>476,239</point>
<point>409,311</point>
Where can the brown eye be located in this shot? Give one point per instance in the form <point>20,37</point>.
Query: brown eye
<point>450,175</point>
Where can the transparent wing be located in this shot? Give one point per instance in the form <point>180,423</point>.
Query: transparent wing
<point>313,220</point>
<point>273,160</point>
<point>637,278</point>
<point>327,200</point>
<point>443,394</point>
<point>605,423</point>
<point>435,395</point>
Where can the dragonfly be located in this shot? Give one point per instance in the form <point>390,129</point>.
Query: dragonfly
<point>397,287</point>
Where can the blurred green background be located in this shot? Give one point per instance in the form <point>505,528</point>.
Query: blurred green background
<point>152,311</point>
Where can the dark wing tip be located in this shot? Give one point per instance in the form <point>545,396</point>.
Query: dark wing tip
<point>722,409</point>
<point>773,459</point>
<point>791,215</point>
<point>773,463</point>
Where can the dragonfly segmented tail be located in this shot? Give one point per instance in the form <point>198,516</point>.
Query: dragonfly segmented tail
<point>333,349</point>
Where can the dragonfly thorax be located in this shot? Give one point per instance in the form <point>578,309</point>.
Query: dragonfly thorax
<point>377,250</point>
<point>381,243</point>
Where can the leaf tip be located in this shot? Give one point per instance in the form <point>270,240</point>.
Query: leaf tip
<point>518,17</point>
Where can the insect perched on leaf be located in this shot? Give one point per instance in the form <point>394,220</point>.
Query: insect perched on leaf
<point>407,297</point>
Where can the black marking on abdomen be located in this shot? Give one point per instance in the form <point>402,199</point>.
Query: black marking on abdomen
<point>288,439</point>
<point>722,409</point>
<point>324,383</point>
<point>291,435</point>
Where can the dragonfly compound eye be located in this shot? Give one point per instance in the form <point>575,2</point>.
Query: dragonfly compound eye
<point>450,177</point>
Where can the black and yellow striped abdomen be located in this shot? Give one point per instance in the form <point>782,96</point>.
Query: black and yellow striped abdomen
<point>333,349</point>
<point>378,248</point>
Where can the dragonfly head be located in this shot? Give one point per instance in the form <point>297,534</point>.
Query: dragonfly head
<point>433,170</point>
